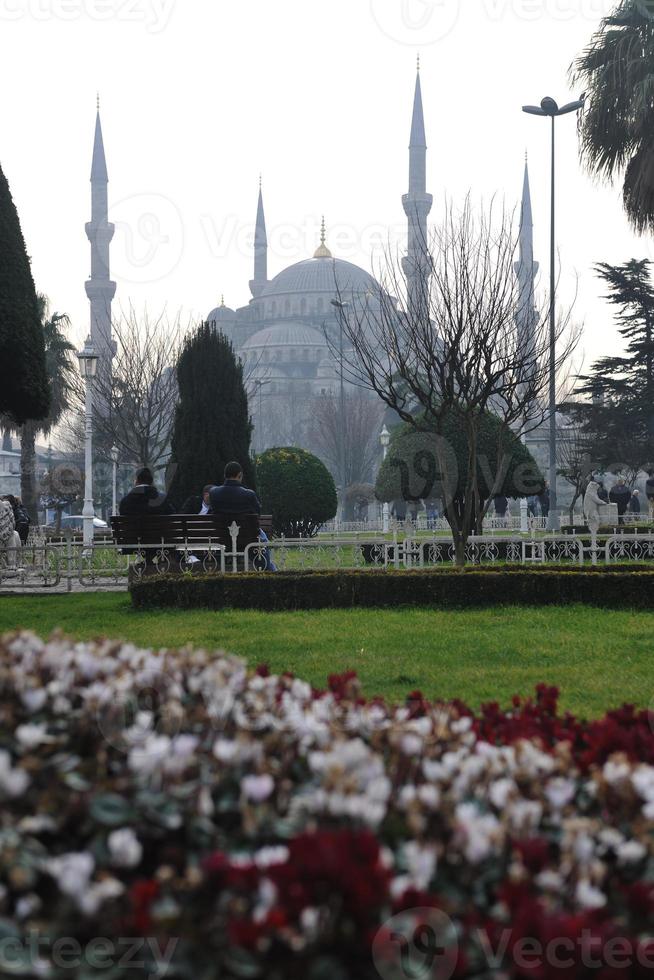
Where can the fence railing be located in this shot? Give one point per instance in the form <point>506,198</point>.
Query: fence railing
<point>70,566</point>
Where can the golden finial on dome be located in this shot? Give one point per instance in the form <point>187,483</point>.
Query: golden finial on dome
<point>222,302</point>
<point>322,252</point>
<point>97,101</point>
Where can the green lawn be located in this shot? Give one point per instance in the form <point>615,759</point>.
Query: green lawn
<point>599,659</point>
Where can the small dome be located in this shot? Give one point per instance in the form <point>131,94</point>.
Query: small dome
<point>285,335</point>
<point>222,312</point>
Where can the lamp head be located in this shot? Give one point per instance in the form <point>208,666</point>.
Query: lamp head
<point>549,106</point>
<point>88,359</point>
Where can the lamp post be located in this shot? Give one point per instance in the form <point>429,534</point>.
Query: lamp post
<point>88,366</point>
<point>258,385</point>
<point>385,439</point>
<point>341,307</point>
<point>549,107</point>
<point>114,477</point>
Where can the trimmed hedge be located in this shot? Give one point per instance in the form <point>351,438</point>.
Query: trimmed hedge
<point>606,586</point>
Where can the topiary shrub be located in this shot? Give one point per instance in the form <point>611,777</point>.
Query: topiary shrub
<point>297,489</point>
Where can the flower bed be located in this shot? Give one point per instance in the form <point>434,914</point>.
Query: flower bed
<point>178,811</point>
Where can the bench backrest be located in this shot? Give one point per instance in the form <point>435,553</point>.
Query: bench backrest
<point>191,529</point>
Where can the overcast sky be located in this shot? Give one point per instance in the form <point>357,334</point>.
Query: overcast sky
<point>198,97</point>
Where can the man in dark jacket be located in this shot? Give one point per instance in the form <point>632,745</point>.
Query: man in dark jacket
<point>144,498</point>
<point>620,495</point>
<point>649,493</point>
<point>233,497</point>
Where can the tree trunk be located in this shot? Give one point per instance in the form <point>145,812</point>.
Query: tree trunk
<point>28,486</point>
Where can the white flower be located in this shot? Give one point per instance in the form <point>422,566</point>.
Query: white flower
<point>72,872</point>
<point>13,782</point>
<point>429,796</point>
<point>631,852</point>
<point>589,897</point>
<point>461,725</point>
<point>225,750</point>
<point>500,791</point>
<point>643,782</point>
<point>421,864</point>
<point>549,881</point>
<point>616,772</point>
<point>267,856</point>
<point>89,902</point>
<point>34,698</point>
<point>150,756</point>
<point>30,735</point>
<point>27,905</point>
<point>125,848</point>
<point>560,792</point>
<point>411,744</point>
<point>257,788</point>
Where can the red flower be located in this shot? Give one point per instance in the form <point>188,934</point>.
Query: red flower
<point>141,896</point>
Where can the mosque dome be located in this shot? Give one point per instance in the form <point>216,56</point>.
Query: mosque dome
<point>222,312</point>
<point>321,275</point>
<point>285,335</point>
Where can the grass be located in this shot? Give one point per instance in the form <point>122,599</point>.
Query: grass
<point>600,659</point>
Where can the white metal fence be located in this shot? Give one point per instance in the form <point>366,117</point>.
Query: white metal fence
<point>69,566</point>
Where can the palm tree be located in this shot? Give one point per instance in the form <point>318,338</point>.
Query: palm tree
<point>61,376</point>
<point>617,127</point>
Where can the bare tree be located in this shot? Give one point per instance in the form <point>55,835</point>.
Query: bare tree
<point>574,462</point>
<point>357,434</point>
<point>457,350</point>
<point>134,401</point>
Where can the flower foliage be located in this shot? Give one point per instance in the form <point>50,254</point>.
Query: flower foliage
<point>258,827</point>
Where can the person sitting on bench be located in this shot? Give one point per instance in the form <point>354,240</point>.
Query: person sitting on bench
<point>196,504</point>
<point>144,498</point>
<point>234,498</point>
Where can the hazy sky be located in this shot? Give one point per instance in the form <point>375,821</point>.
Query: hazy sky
<point>200,96</point>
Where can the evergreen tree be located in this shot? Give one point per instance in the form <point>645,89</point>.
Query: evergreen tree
<point>619,418</point>
<point>24,389</point>
<point>212,422</point>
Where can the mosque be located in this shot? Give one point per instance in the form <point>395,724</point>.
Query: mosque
<point>282,334</point>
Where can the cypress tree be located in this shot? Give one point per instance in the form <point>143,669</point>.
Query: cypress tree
<point>24,388</point>
<point>212,421</point>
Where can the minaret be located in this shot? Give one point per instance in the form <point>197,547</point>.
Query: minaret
<point>417,205</point>
<point>260,280</point>
<point>100,289</point>
<point>526,269</point>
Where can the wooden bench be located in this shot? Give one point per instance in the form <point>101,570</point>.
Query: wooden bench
<point>182,532</point>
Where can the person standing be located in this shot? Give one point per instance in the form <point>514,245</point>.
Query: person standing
<point>21,517</point>
<point>9,537</point>
<point>544,500</point>
<point>620,495</point>
<point>634,504</point>
<point>592,504</point>
<point>649,491</point>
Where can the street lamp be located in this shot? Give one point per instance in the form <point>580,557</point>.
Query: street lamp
<point>549,107</point>
<point>385,439</point>
<point>341,307</point>
<point>114,480</point>
<point>258,385</point>
<point>88,366</point>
